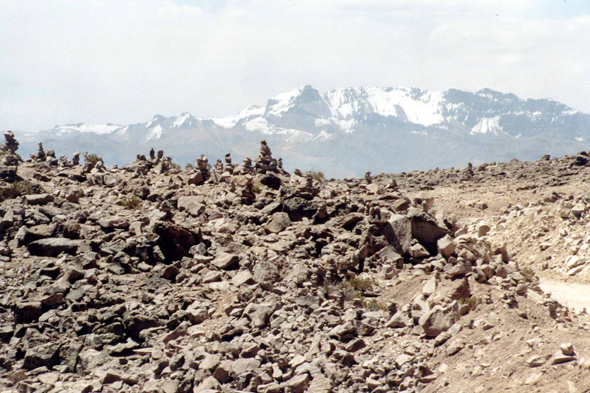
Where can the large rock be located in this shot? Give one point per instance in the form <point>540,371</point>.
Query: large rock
<point>427,230</point>
<point>43,355</point>
<point>52,247</point>
<point>193,204</point>
<point>280,221</point>
<point>242,366</point>
<point>39,199</point>
<point>174,241</point>
<point>399,320</point>
<point>438,320</point>
<point>27,312</point>
<point>298,208</point>
<point>225,260</point>
<point>446,246</point>
<point>398,233</point>
<point>297,384</point>
<point>266,274</point>
<point>36,232</point>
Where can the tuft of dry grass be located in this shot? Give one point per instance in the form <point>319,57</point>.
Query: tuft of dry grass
<point>317,176</point>
<point>132,202</point>
<point>92,158</point>
<point>473,302</point>
<point>16,189</point>
<point>353,289</point>
<point>528,273</point>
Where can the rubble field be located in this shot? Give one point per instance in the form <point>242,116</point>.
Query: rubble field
<point>245,278</point>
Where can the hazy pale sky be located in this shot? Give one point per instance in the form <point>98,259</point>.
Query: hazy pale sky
<point>122,61</point>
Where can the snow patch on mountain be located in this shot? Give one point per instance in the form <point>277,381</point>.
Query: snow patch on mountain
<point>487,124</point>
<point>100,129</point>
<point>412,105</point>
<point>155,133</point>
<point>182,120</point>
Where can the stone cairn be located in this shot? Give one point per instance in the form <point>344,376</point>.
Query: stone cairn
<point>11,145</point>
<point>51,158</point>
<point>247,167</point>
<point>219,166</point>
<point>265,162</point>
<point>228,167</point>
<point>9,159</point>
<point>40,156</point>
<point>156,162</point>
<point>281,168</point>
<point>468,172</point>
<point>203,167</point>
<point>76,158</point>
<point>247,194</point>
<point>162,163</point>
<point>63,162</point>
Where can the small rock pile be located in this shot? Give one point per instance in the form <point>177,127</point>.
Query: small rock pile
<point>9,160</point>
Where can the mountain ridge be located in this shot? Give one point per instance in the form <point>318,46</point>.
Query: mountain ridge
<point>308,127</point>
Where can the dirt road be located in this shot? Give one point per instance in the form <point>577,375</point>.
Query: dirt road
<point>575,296</point>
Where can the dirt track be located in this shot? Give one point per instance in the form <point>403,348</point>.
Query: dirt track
<point>575,296</point>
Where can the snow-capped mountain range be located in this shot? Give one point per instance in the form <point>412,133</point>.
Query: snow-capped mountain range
<point>345,132</point>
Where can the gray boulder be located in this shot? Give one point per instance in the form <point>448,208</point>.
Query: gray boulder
<point>52,247</point>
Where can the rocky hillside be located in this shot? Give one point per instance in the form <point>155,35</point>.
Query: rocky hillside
<point>149,278</point>
<point>345,132</point>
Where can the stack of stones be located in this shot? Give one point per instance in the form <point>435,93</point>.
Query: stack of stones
<point>265,162</point>
<point>8,158</point>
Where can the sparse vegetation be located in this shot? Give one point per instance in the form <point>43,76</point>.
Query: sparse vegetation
<point>132,202</point>
<point>351,289</point>
<point>528,273</point>
<point>92,158</point>
<point>188,166</point>
<point>473,302</point>
<point>362,284</point>
<point>374,304</point>
<point>4,153</point>
<point>174,165</point>
<point>16,189</point>
<point>317,176</point>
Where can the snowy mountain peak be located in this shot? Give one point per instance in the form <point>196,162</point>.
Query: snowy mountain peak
<point>413,105</point>
<point>349,130</point>
<point>305,99</point>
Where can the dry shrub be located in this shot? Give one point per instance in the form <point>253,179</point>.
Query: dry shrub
<point>16,189</point>
<point>132,202</point>
<point>92,158</point>
<point>317,176</point>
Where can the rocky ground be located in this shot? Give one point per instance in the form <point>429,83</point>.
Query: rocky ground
<point>150,278</point>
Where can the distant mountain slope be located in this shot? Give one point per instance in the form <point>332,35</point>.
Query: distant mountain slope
<point>347,131</point>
